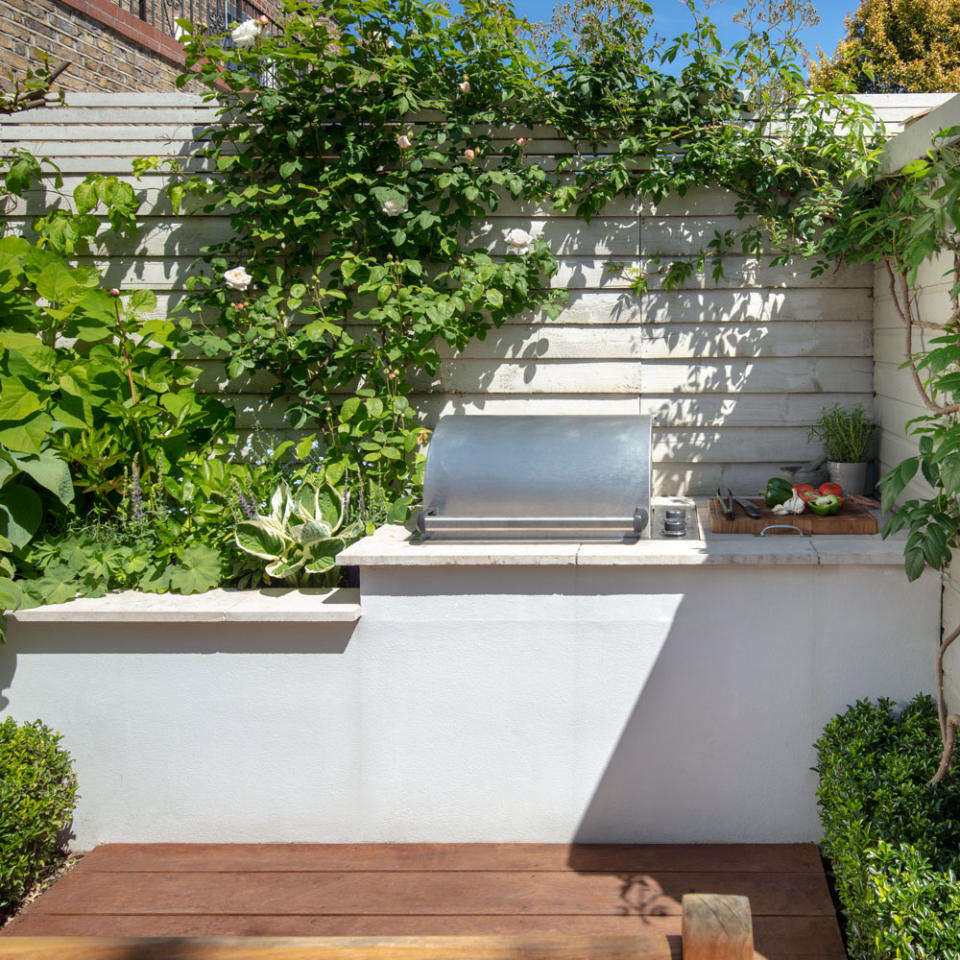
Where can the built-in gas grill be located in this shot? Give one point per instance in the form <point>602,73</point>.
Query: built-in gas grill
<point>540,478</point>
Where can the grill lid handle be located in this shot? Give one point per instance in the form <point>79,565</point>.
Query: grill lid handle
<point>640,519</point>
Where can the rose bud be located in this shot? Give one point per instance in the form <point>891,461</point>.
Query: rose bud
<point>263,19</point>
<point>469,154</point>
<point>114,292</point>
<point>240,306</point>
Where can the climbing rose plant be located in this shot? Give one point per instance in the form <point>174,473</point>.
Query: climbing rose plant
<point>364,146</point>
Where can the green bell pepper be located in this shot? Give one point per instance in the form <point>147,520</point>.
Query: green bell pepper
<point>778,491</point>
<point>825,506</point>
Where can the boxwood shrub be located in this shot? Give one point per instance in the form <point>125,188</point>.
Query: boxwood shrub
<point>37,794</point>
<point>894,842</point>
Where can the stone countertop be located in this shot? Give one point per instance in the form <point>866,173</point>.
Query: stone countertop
<point>397,546</point>
<point>215,606</point>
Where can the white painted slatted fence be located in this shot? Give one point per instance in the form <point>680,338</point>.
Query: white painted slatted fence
<point>733,373</point>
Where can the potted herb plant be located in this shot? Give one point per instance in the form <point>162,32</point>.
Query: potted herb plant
<point>845,436</point>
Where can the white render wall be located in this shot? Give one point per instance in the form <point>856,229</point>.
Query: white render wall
<point>733,373</point>
<point>897,399</point>
<point>499,701</point>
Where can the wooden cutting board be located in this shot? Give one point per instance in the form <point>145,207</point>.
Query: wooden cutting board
<point>852,518</point>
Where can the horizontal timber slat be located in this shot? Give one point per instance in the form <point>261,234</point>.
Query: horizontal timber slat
<point>502,857</point>
<point>776,938</point>
<point>573,273</point>
<point>647,947</point>
<point>453,892</point>
<point>762,375</point>
<point>746,410</point>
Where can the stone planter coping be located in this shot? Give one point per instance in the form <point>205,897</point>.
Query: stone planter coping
<point>280,605</point>
<point>395,546</point>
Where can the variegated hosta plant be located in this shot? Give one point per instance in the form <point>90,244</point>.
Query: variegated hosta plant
<point>301,535</point>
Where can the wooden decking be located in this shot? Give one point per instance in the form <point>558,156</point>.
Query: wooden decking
<point>284,890</point>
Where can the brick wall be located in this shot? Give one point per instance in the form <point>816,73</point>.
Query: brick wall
<point>108,49</point>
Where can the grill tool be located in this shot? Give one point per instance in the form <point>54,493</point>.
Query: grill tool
<point>750,509</point>
<point>726,503</point>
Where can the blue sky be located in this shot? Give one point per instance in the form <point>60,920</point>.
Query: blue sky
<point>672,18</point>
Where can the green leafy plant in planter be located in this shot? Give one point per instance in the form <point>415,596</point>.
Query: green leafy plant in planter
<point>844,435</point>
<point>116,471</point>
<point>301,535</point>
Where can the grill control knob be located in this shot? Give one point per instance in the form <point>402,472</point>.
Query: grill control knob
<point>675,522</point>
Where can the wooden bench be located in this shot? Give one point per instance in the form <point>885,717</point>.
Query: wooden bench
<point>713,927</point>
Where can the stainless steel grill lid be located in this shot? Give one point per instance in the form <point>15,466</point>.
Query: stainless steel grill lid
<point>538,478</point>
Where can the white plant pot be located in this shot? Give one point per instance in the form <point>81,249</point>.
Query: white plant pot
<point>851,476</point>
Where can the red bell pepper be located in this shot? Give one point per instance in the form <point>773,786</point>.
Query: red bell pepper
<point>805,491</point>
<point>832,488</point>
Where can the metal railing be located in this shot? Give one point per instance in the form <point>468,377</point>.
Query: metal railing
<point>218,15</point>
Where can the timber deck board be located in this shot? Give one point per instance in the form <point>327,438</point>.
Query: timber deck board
<point>284,890</point>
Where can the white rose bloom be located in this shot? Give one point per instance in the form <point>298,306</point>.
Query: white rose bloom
<point>464,86</point>
<point>246,34</point>
<point>393,207</point>
<point>518,241</point>
<point>404,142</point>
<point>237,278</point>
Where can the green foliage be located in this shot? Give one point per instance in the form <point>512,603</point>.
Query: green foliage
<point>740,119</point>
<point>350,221</point>
<point>360,145</point>
<point>896,46</point>
<point>362,142</point>
<point>115,471</point>
<point>845,435</point>
<point>301,534</point>
<point>20,92</point>
<point>892,840</point>
<point>37,794</point>
<point>902,221</point>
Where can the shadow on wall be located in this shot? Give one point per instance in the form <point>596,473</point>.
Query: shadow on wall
<point>170,638</point>
<point>718,743</point>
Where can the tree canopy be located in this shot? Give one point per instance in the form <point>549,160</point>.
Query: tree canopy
<point>896,46</point>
